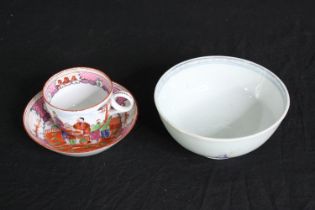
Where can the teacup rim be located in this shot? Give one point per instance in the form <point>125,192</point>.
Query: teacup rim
<point>73,68</point>
<point>223,57</point>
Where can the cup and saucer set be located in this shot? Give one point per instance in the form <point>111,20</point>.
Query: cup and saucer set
<point>219,107</point>
<point>80,112</point>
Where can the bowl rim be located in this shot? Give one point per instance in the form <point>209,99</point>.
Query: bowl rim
<point>228,58</point>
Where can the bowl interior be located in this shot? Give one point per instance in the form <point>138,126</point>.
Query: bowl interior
<point>220,98</point>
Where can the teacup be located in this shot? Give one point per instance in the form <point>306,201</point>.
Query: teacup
<point>80,98</point>
<point>219,106</point>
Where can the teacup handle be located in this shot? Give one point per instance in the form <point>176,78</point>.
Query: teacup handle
<point>116,108</point>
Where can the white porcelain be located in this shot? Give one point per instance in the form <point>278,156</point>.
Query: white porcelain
<point>79,97</point>
<point>219,106</point>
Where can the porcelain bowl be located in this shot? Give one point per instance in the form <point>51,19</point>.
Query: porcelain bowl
<point>219,106</point>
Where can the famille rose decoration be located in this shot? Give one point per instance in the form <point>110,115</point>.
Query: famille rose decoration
<point>80,112</point>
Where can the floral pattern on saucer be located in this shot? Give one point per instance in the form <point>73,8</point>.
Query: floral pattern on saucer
<point>100,137</point>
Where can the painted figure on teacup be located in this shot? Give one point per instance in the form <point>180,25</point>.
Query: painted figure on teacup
<point>100,130</point>
<point>82,133</point>
<point>83,129</point>
<point>95,132</point>
<point>101,133</point>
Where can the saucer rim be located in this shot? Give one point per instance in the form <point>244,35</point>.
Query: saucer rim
<point>77,154</point>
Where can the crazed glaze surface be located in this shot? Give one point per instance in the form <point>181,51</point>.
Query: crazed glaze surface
<point>208,102</point>
<point>94,138</point>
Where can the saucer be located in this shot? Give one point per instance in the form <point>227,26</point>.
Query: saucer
<point>40,127</point>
